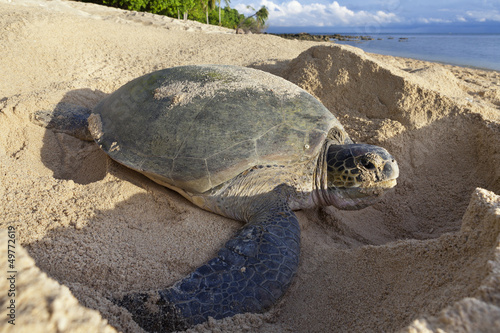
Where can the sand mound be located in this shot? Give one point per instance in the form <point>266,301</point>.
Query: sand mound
<point>445,148</point>
<point>422,260</point>
<point>44,304</point>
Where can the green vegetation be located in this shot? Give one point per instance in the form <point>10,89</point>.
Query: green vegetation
<point>255,22</point>
<point>205,11</point>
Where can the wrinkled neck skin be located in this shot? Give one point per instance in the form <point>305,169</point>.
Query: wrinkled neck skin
<point>304,186</point>
<point>320,195</point>
<point>255,189</point>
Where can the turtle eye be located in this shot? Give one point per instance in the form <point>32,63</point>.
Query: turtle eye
<point>367,163</point>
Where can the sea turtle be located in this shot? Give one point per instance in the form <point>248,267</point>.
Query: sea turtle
<point>244,144</point>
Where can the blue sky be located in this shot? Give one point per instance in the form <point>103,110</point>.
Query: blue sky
<point>372,16</point>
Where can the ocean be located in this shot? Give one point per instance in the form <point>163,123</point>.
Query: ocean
<point>471,50</point>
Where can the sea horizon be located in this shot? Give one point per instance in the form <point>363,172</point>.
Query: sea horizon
<point>467,49</point>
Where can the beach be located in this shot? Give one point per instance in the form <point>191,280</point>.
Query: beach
<point>424,259</point>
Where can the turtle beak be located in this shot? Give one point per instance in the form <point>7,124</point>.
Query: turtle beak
<point>390,172</point>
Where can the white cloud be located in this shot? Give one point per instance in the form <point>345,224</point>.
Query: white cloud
<point>483,16</point>
<point>469,16</point>
<point>293,13</point>
<point>433,20</point>
<point>294,7</point>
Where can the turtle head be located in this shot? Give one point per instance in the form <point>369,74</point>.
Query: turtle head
<point>358,175</point>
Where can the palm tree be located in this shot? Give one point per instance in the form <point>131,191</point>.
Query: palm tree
<point>177,5</point>
<point>208,4</point>
<point>261,16</point>
<point>227,2</point>
<point>186,6</point>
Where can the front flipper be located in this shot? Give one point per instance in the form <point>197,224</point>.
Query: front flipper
<point>249,274</point>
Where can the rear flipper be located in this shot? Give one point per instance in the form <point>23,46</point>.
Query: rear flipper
<point>66,118</point>
<point>249,274</point>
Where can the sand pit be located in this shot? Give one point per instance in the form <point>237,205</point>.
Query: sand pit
<point>425,259</point>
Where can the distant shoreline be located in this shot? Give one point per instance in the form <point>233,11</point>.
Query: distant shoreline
<point>331,37</point>
<point>321,37</point>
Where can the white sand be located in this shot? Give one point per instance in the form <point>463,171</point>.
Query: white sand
<point>425,259</point>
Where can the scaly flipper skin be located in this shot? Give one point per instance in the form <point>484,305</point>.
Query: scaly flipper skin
<point>249,274</point>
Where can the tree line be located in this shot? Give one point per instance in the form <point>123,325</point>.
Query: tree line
<point>205,11</point>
